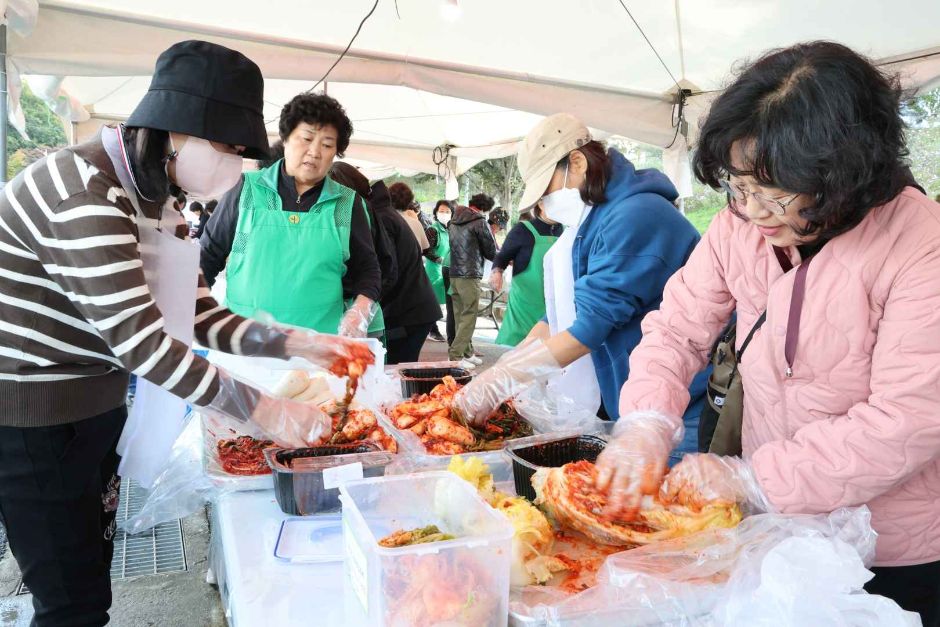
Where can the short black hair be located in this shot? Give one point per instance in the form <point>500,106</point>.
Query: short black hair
<point>350,176</point>
<point>482,202</point>
<point>148,148</point>
<point>401,196</point>
<point>440,202</point>
<point>820,120</point>
<point>499,217</point>
<point>275,154</point>
<point>211,205</point>
<point>318,110</point>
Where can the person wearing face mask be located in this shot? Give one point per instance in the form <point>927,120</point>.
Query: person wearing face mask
<point>525,248</point>
<point>435,269</point>
<point>622,240</point>
<point>293,242</point>
<point>97,285</point>
<point>829,251</point>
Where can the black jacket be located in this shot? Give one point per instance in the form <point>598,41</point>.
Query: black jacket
<point>411,300</point>
<point>519,243</point>
<point>470,243</point>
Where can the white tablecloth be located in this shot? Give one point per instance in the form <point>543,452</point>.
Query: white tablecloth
<point>257,589</point>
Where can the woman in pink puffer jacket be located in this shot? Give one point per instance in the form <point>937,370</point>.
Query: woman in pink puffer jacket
<point>825,232</point>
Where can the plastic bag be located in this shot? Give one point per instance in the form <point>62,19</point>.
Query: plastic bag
<point>183,486</point>
<point>549,413</point>
<point>770,570</point>
<point>193,476</point>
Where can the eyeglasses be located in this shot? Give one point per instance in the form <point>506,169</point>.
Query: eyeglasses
<point>738,197</point>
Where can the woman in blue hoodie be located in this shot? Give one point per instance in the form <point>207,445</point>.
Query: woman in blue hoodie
<point>623,239</point>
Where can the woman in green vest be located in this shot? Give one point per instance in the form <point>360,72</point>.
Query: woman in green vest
<point>295,243</point>
<point>440,249</point>
<point>525,248</point>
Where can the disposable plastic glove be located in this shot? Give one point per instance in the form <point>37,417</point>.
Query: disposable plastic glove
<point>496,280</point>
<point>633,463</point>
<point>287,422</point>
<point>330,352</point>
<point>512,374</point>
<point>703,477</point>
<point>355,322</point>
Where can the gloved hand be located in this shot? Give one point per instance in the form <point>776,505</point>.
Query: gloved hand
<point>633,463</point>
<point>287,422</point>
<point>496,280</point>
<point>703,477</point>
<point>330,352</point>
<point>513,373</point>
<point>355,322</point>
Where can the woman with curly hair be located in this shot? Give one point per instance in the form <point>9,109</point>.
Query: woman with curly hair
<point>295,243</point>
<point>828,243</point>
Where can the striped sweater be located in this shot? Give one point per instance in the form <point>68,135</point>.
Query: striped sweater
<point>76,314</point>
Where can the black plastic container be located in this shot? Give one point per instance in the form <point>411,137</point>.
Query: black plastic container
<point>527,459</point>
<point>423,380</point>
<point>298,474</point>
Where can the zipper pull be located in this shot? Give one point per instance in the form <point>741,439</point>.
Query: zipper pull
<point>298,200</point>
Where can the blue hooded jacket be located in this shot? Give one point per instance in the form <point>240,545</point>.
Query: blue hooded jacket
<point>625,251</point>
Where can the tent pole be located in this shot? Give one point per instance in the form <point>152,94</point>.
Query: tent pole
<point>4,114</point>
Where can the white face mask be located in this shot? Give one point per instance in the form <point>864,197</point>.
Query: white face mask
<point>564,206</point>
<point>202,171</point>
<point>443,218</point>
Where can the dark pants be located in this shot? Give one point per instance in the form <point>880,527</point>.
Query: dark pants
<point>449,305</point>
<point>403,345</point>
<point>914,588</point>
<point>58,499</point>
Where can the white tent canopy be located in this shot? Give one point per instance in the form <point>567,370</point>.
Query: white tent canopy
<point>417,81</point>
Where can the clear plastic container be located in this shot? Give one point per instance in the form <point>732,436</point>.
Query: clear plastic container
<point>311,540</point>
<point>459,582</point>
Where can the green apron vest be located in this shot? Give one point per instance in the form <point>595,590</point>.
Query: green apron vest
<point>526,294</point>
<point>290,264</point>
<point>442,250</point>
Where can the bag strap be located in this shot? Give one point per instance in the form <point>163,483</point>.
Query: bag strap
<point>750,336</point>
<point>786,265</point>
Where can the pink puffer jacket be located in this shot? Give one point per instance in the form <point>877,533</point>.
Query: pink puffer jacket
<point>859,421</point>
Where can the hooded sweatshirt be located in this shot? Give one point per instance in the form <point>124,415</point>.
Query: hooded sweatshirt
<point>626,250</point>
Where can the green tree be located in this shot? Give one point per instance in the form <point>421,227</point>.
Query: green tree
<point>43,127</point>
<point>426,187</point>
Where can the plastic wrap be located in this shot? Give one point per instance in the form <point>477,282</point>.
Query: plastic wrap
<point>511,375</point>
<point>634,462</point>
<point>193,476</point>
<point>183,486</point>
<point>214,429</point>
<point>770,570</point>
<point>549,413</point>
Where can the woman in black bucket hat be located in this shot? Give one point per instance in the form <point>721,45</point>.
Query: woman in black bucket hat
<point>89,293</point>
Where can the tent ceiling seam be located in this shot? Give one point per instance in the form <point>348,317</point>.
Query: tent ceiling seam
<point>270,40</point>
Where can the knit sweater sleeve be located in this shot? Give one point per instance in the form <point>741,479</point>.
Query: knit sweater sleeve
<point>93,241</point>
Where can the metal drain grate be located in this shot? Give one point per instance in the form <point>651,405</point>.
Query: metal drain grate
<point>159,550</point>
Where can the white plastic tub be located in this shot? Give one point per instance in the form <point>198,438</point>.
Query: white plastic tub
<point>464,581</point>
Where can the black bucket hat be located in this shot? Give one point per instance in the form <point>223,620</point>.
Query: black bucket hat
<point>209,91</point>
